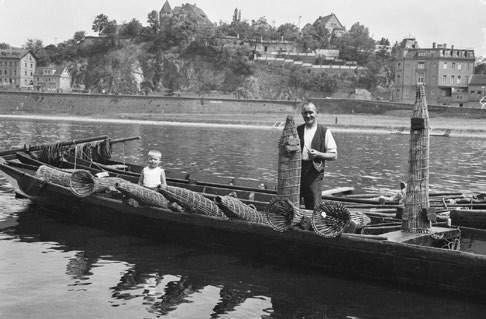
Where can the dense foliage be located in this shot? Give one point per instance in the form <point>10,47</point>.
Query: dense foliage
<point>185,51</point>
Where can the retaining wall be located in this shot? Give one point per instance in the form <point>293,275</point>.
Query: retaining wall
<point>92,104</point>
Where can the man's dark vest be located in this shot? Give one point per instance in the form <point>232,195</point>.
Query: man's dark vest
<point>318,143</point>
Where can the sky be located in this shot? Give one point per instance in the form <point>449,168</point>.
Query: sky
<point>461,23</point>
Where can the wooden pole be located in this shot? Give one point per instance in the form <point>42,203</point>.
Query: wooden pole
<point>27,148</point>
<point>414,218</point>
<point>289,163</point>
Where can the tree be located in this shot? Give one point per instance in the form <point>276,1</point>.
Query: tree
<point>153,21</point>
<point>356,44</point>
<point>261,28</point>
<point>79,36</point>
<point>33,45</point>
<point>480,68</point>
<point>100,23</point>
<point>131,29</point>
<point>4,46</point>
<point>288,31</point>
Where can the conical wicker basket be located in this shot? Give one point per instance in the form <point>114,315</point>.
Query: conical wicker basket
<point>330,218</point>
<point>235,208</point>
<point>280,214</point>
<point>192,201</point>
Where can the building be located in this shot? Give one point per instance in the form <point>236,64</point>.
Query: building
<point>52,79</point>
<point>333,25</point>
<point>166,11</point>
<point>477,87</point>
<point>444,71</point>
<point>17,67</point>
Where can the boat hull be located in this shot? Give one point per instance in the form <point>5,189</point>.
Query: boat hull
<point>399,264</point>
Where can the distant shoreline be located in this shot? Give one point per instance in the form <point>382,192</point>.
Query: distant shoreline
<point>378,124</point>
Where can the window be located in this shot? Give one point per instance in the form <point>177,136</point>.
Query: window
<point>444,66</point>
<point>453,65</point>
<point>444,79</point>
<point>458,79</point>
<point>459,66</point>
<point>452,79</point>
<point>420,78</point>
<point>421,65</point>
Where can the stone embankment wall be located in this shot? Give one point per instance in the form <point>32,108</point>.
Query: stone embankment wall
<point>93,104</point>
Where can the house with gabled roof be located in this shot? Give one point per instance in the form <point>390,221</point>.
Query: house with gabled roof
<point>52,78</point>
<point>333,25</point>
<point>17,67</point>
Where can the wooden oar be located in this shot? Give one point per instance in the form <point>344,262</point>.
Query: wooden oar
<point>28,148</point>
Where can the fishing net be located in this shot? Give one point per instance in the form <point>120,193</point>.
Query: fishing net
<point>330,218</point>
<point>99,151</point>
<point>280,213</point>
<point>192,201</point>
<point>51,154</point>
<point>234,208</point>
<point>54,175</point>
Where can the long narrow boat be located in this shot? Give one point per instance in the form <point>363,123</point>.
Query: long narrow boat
<point>392,257</point>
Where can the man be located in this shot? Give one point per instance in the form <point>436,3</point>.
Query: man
<point>318,146</point>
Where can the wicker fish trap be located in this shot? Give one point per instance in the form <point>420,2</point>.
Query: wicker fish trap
<point>359,219</point>
<point>235,208</point>
<point>192,201</point>
<point>330,218</point>
<point>280,213</point>
<point>83,183</point>
<point>54,175</point>
<point>143,195</point>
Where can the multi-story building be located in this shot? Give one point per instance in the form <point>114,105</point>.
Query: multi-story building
<point>444,71</point>
<point>52,79</point>
<point>17,68</point>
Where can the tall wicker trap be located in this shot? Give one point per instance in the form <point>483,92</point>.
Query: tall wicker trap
<point>289,163</point>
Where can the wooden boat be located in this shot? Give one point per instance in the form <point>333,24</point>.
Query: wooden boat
<point>442,133</point>
<point>131,172</point>
<point>404,260</point>
<point>475,218</point>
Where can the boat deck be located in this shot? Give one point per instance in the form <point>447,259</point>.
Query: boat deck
<point>437,233</point>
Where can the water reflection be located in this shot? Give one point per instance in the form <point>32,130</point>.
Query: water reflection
<point>138,278</point>
<point>83,272</point>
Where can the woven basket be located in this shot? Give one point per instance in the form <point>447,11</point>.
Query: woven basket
<point>280,214</point>
<point>143,195</point>
<point>330,218</point>
<point>191,201</point>
<point>83,183</point>
<point>54,175</point>
<point>235,208</point>
<point>359,219</point>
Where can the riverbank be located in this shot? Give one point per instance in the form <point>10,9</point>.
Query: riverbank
<point>383,124</point>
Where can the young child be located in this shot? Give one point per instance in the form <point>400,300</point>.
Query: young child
<point>153,175</point>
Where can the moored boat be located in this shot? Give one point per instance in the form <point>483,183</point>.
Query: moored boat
<point>383,254</point>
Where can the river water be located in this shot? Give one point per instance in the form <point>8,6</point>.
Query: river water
<point>54,270</point>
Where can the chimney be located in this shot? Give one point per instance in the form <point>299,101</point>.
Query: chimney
<point>433,45</point>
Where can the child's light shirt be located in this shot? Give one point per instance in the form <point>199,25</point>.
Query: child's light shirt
<point>152,176</point>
